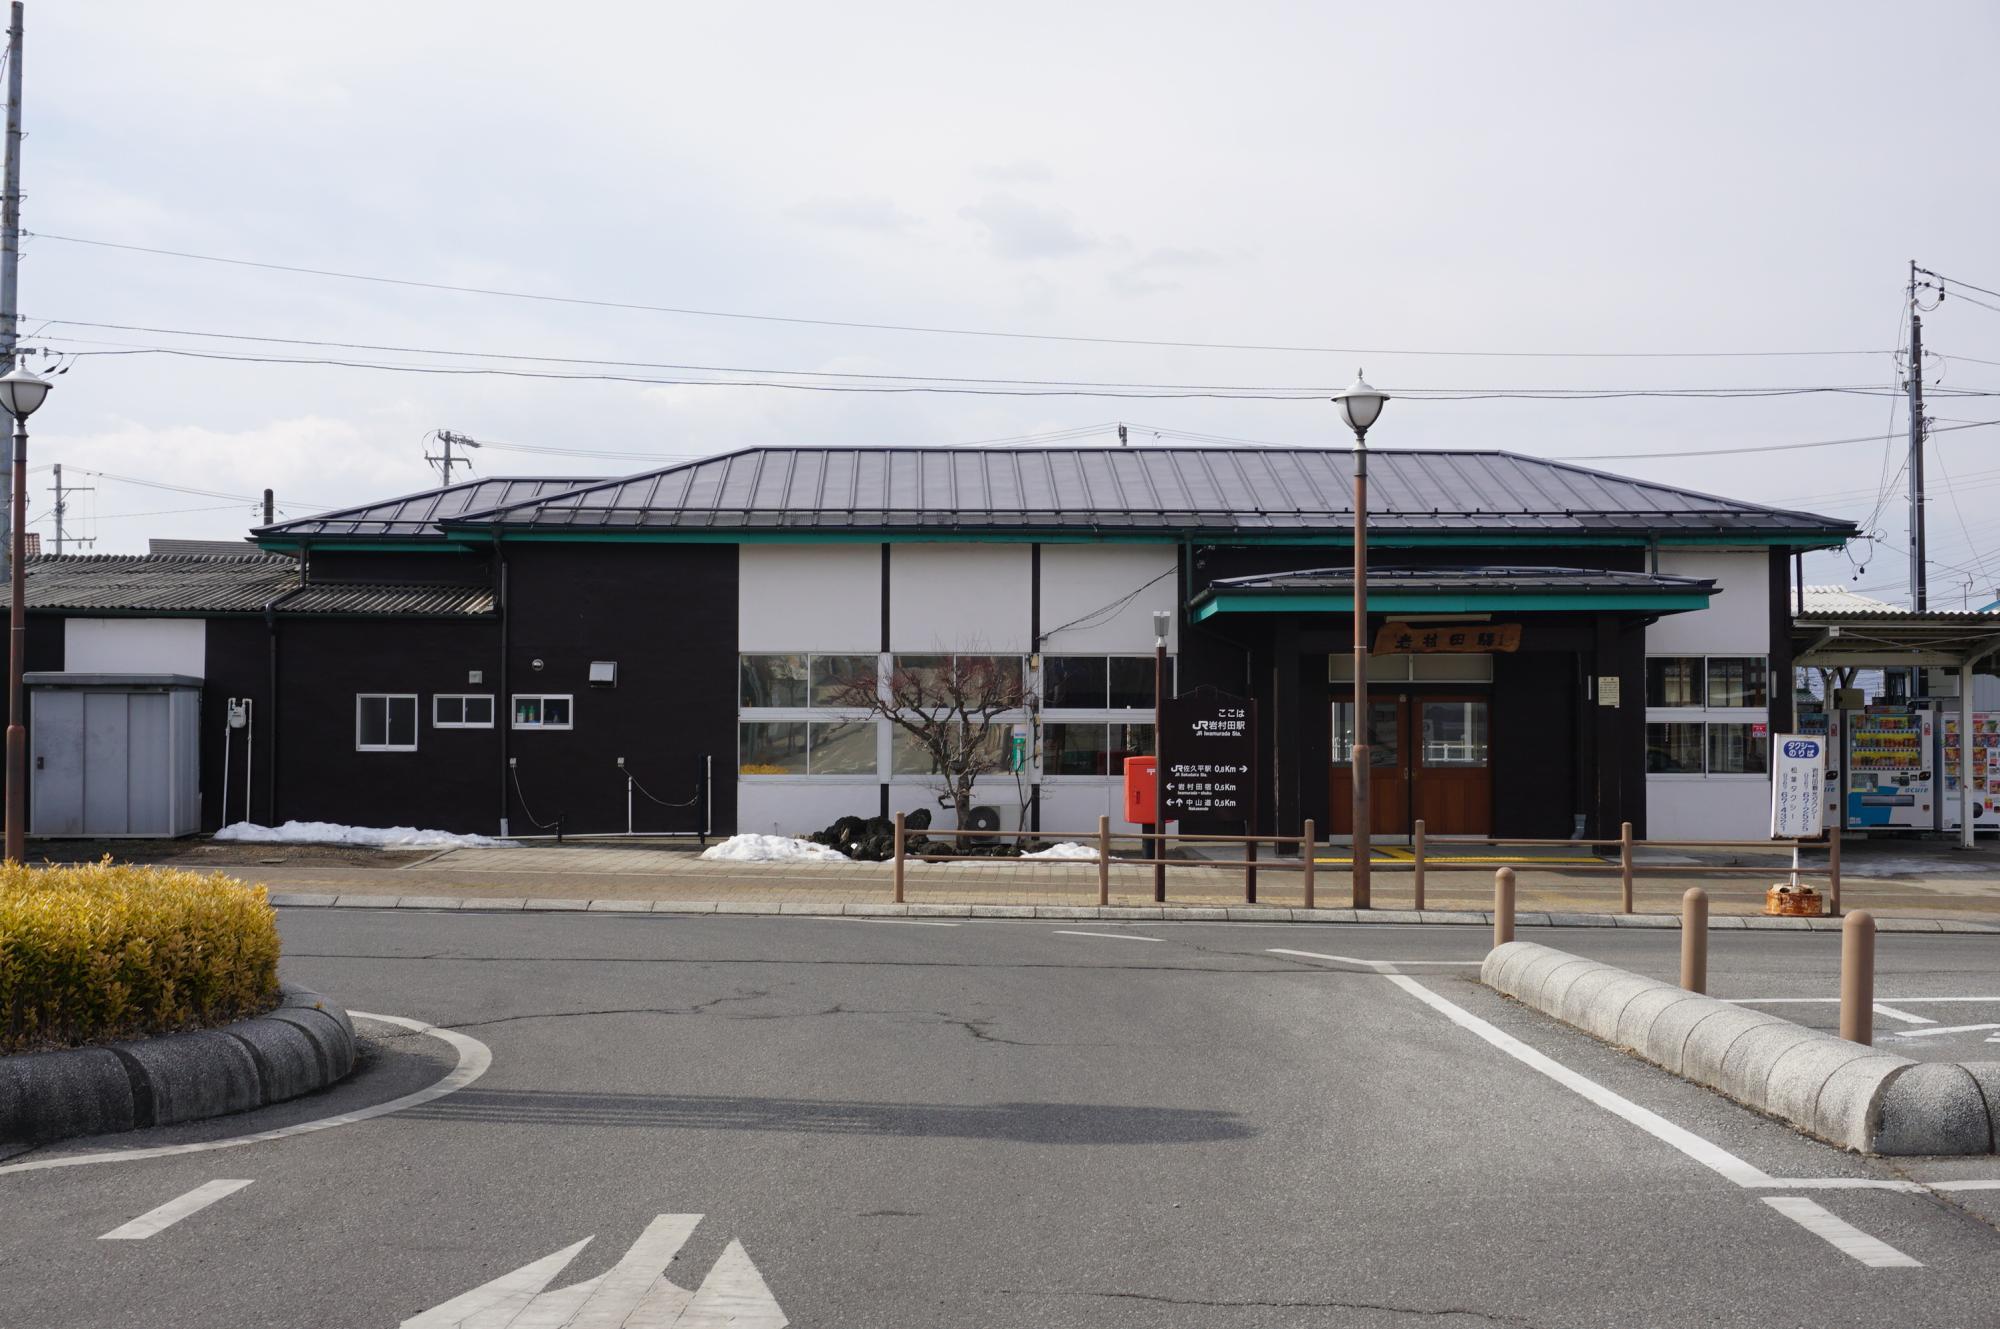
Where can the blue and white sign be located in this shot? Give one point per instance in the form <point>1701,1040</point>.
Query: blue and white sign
<point>1798,785</point>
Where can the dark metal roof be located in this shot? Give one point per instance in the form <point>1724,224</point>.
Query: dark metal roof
<point>222,548</point>
<point>187,583</point>
<point>1537,581</point>
<point>419,514</point>
<point>1170,490</point>
<point>209,584</point>
<point>354,598</point>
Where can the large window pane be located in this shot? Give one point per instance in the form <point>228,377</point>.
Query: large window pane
<point>1454,733</point>
<point>1132,682</point>
<point>1075,749</point>
<point>910,756</point>
<point>371,721</point>
<point>1075,682</point>
<point>835,675</point>
<point>772,680</point>
<point>843,747</point>
<point>1733,749</point>
<point>1673,749</point>
<point>1382,733</point>
<point>1674,680</point>
<point>402,722</point>
<point>1129,740</point>
<point>1737,681</point>
<point>772,748</point>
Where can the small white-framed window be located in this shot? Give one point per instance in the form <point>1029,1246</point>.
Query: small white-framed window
<point>462,710</point>
<point>385,722</point>
<point>542,710</point>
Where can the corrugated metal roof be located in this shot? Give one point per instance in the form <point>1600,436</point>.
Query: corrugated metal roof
<point>1164,489</point>
<point>221,548</point>
<point>1829,602</point>
<point>355,598</point>
<point>216,584</point>
<point>1445,580</point>
<point>419,514</point>
<point>187,583</point>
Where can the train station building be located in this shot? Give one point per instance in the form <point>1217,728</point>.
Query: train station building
<point>1557,649</point>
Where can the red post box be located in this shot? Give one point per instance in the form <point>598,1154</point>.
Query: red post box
<point>1141,776</point>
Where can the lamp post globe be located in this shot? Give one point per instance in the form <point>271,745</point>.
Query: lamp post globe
<point>1360,405</point>
<point>22,392</point>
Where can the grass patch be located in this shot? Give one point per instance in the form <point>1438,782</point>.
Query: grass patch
<point>98,952</point>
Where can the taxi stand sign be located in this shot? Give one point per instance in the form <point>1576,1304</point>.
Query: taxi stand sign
<point>1798,786</point>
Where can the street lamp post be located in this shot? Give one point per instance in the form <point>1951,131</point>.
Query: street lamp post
<point>1162,623</point>
<point>1360,405</point>
<point>20,393</point>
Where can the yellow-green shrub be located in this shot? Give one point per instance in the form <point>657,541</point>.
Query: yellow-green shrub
<point>97,952</point>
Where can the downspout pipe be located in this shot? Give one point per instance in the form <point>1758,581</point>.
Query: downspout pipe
<point>503,707</point>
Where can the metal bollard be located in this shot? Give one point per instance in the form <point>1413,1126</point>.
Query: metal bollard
<point>1103,861</point>
<point>1625,867</point>
<point>1857,978</point>
<point>1417,870</point>
<point>900,860</point>
<point>1308,855</point>
<point>1503,906</point>
<point>1694,940</point>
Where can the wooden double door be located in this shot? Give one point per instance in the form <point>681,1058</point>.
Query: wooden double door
<point>1431,759</point>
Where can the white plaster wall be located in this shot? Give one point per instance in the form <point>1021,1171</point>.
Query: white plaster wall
<point>1076,807</point>
<point>136,646</point>
<point>1080,580</point>
<point>775,807</point>
<point>1715,807</point>
<point>809,597</point>
<point>961,597</point>
<point>1738,618</point>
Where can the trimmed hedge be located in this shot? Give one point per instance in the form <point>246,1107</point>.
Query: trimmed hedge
<point>95,953</point>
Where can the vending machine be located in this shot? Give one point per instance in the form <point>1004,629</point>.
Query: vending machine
<point>1891,776</point>
<point>1985,771</point>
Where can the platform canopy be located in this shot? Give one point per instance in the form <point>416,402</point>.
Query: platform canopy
<point>1444,590</point>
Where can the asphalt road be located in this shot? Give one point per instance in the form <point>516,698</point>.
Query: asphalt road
<point>1042,1124</point>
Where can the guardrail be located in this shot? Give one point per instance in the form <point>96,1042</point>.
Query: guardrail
<point>1423,858</point>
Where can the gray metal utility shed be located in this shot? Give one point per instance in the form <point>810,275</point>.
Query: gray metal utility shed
<point>114,754</point>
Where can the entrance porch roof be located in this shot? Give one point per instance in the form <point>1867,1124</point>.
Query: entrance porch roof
<point>1839,629</point>
<point>1512,590</point>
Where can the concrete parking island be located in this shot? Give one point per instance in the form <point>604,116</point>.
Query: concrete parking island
<point>1846,1093</point>
<point>305,1044</point>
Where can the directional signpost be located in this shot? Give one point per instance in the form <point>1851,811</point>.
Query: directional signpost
<point>1209,755</point>
<point>634,1292</point>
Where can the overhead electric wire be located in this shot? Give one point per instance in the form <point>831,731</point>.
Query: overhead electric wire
<point>1770,447</point>
<point>928,330</point>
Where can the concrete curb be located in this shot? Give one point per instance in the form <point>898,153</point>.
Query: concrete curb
<point>1843,1092</point>
<point>305,1044</point>
<point>1235,913</point>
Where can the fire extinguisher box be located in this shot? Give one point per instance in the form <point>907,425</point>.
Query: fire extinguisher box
<point>1142,776</point>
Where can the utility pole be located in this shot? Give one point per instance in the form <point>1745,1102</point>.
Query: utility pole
<point>1122,441</point>
<point>1919,593</point>
<point>62,506</point>
<point>10,243</point>
<point>446,461</point>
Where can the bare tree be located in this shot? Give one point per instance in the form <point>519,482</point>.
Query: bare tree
<point>961,710</point>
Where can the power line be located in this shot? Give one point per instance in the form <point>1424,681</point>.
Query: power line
<point>1773,447</point>
<point>922,328</point>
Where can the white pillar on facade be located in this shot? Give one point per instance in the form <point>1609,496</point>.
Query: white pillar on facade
<point>1968,799</point>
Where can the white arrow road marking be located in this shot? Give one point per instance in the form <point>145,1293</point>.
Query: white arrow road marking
<point>633,1294</point>
<point>173,1211</point>
<point>1840,1234</point>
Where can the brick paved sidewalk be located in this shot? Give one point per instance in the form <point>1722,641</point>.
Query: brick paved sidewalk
<point>590,871</point>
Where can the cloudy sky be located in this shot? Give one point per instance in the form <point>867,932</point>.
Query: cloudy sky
<point>1389,183</point>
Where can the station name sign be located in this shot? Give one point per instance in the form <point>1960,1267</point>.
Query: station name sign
<point>1209,756</point>
<point>1446,638</point>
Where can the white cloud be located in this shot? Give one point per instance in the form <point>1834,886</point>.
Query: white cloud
<point>1017,229</point>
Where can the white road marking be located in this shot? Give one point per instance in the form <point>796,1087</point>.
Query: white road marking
<point>1945,1029</point>
<point>1379,966</point>
<point>1108,936</point>
<point>473,1059</point>
<point>633,1294</point>
<point>1709,1154</point>
<point>1974,1184</point>
<point>1840,1234</point>
<point>906,922</point>
<point>1831,1001</point>
<point>173,1211</point>
<point>1904,1016</point>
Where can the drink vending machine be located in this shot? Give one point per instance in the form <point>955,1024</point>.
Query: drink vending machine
<point>1985,772</point>
<point>1891,768</point>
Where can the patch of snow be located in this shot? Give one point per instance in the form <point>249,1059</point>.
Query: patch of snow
<point>772,849</point>
<point>1068,851</point>
<point>374,837</point>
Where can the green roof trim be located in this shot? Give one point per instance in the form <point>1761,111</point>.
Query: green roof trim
<point>1457,602</point>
